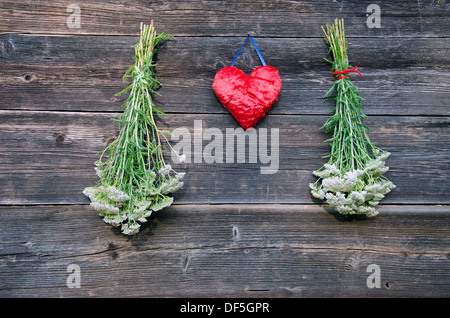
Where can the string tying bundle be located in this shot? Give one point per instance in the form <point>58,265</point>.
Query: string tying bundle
<point>344,72</point>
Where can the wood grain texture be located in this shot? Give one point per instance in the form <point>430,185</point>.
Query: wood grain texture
<point>211,18</point>
<point>231,250</point>
<point>49,157</point>
<point>83,73</point>
<point>232,232</point>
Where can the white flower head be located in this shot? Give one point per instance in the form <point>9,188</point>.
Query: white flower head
<point>116,195</point>
<point>383,156</point>
<point>344,209</point>
<point>164,171</point>
<point>180,175</point>
<point>130,228</point>
<point>338,184</point>
<point>104,208</point>
<point>319,194</point>
<point>367,210</point>
<point>329,170</point>
<point>100,172</point>
<point>113,220</point>
<point>358,198</point>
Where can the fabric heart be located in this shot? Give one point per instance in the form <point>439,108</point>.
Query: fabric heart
<point>248,98</point>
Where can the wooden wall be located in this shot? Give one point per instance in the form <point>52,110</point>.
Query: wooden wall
<point>232,230</point>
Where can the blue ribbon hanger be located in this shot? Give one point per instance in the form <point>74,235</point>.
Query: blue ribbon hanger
<point>256,48</point>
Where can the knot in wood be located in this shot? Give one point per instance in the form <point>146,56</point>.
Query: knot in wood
<point>8,48</point>
<point>60,138</point>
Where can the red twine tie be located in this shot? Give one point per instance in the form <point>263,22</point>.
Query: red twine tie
<point>353,69</point>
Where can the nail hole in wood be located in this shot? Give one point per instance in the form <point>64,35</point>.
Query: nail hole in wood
<point>60,138</point>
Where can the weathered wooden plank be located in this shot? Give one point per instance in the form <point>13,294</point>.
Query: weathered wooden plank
<point>226,250</point>
<point>401,75</point>
<point>265,272</point>
<point>35,230</point>
<point>203,55</point>
<point>267,18</point>
<point>58,93</point>
<point>48,157</point>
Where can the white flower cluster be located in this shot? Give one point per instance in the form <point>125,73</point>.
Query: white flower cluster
<point>101,199</point>
<point>130,228</point>
<point>172,184</point>
<point>164,171</point>
<point>353,192</point>
<point>134,205</point>
<point>116,195</point>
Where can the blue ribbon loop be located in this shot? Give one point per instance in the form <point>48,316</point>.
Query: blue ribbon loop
<point>256,48</point>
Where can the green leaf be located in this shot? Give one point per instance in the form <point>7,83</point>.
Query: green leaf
<point>166,132</point>
<point>124,91</point>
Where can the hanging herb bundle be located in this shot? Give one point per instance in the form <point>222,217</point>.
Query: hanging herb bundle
<point>352,181</point>
<point>134,179</point>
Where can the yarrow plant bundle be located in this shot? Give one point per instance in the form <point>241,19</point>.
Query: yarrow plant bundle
<point>134,179</point>
<point>352,181</point>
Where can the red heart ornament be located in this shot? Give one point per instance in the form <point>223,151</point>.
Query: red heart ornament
<point>248,98</point>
